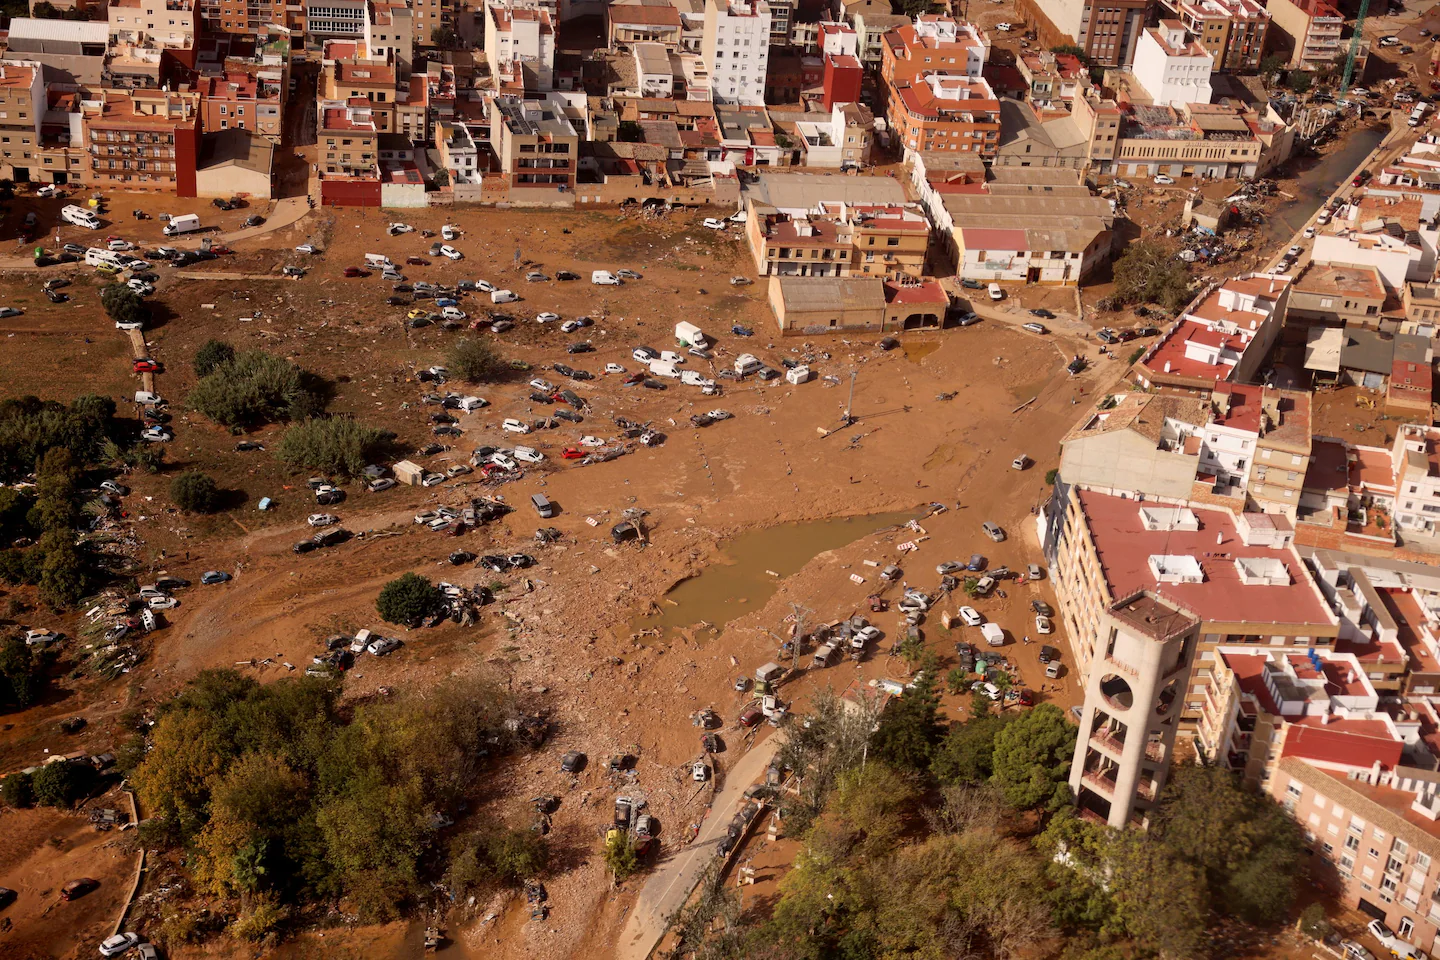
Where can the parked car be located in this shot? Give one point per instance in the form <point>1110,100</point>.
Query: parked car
<point>1163,180</point>
<point>993,530</point>
<point>1034,328</point>
<point>214,576</point>
<point>76,889</point>
<point>118,944</point>
<point>971,617</point>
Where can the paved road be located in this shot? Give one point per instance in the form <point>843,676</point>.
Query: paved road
<point>673,880</point>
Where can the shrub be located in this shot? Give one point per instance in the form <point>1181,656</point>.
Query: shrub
<point>22,673</point>
<point>407,600</point>
<point>123,305</point>
<point>1051,475</point>
<point>333,445</point>
<point>620,856</point>
<point>1313,922</point>
<point>475,361</point>
<point>60,784</point>
<point>18,790</point>
<point>195,492</point>
<point>251,389</point>
<point>212,354</point>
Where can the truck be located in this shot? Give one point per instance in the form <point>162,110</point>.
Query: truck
<point>189,223</point>
<point>80,217</point>
<point>690,335</point>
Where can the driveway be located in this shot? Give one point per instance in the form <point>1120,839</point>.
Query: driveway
<point>673,880</point>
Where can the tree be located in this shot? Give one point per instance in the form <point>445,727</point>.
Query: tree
<point>123,305</point>
<point>1270,65</point>
<point>195,492</point>
<point>911,726</point>
<point>1313,922</point>
<point>57,481</point>
<point>64,573</point>
<point>60,784</point>
<point>966,754</point>
<point>620,856</point>
<point>253,388</point>
<point>22,673</point>
<point>1146,273</point>
<point>333,445</point>
<point>476,361</point>
<point>1159,897</point>
<point>1032,757</point>
<point>408,599</point>
<point>1299,80</point>
<point>212,354</point>
<point>444,37</point>
<point>18,789</point>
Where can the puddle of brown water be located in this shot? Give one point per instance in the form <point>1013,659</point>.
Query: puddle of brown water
<point>917,350</point>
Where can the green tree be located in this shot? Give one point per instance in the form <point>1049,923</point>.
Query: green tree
<point>620,857</point>
<point>911,726</point>
<point>333,445</point>
<point>57,481</point>
<point>444,37</point>
<point>1299,81</point>
<point>195,492</point>
<point>408,599</point>
<point>476,361</point>
<point>1159,896</point>
<point>60,784</point>
<point>1147,273</point>
<point>18,790</point>
<point>1032,756</point>
<point>1314,923</point>
<point>1270,65</point>
<point>22,673</point>
<point>123,305</point>
<point>64,573</point>
<point>966,754</point>
<point>211,355</point>
<point>252,389</point>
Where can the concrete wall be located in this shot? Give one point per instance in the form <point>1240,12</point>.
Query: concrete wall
<point>403,195</point>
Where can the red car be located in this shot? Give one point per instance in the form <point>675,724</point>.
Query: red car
<point>751,717</point>
<point>1027,698</point>
<point>146,366</point>
<point>356,272</point>
<point>416,262</point>
<point>571,453</point>
<point>635,377</point>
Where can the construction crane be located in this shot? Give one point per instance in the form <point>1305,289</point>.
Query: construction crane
<point>1354,47</point>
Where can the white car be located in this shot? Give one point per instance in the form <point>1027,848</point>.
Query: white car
<point>307,248</point>
<point>1295,251</point>
<point>382,646</point>
<point>484,286</point>
<point>156,434</point>
<point>1309,233</point>
<point>397,228</point>
<point>454,313</point>
<point>1163,180</point>
<point>322,519</point>
<point>544,386</point>
<point>995,292</point>
<point>129,325</point>
<point>120,246</point>
<point>591,442</point>
<point>1397,947</point>
<point>713,224</point>
<point>614,368</point>
<point>140,286</point>
<point>546,317</point>
<point>528,454</point>
<point>699,771</point>
<point>1043,624</point>
<point>432,479</point>
<point>515,426</point>
<point>452,253</point>
<point>971,617</point>
<point>448,233</point>
<point>456,469</point>
<point>118,944</point>
<point>570,326</point>
<point>162,603</point>
<point>500,460</point>
<point>1004,27</point>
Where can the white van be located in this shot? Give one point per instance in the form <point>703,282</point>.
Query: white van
<point>995,292</point>
<point>377,260</point>
<point>745,364</point>
<point>691,335</point>
<point>80,217</point>
<point>664,368</point>
<point>1418,113</point>
<point>503,296</point>
<point>97,257</point>
<point>604,278</point>
<point>797,375</point>
<point>993,633</point>
<point>186,224</point>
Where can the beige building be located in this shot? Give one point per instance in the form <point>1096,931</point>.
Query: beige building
<point>166,24</point>
<point>1339,292</point>
<point>839,240</point>
<point>536,143</point>
<point>1312,35</point>
<point>22,107</point>
<point>1422,309</point>
<point>1282,452</point>
<point>235,162</point>
<point>815,305</point>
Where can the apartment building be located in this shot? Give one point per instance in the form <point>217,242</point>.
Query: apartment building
<point>535,141</point>
<point>839,240</point>
<point>1282,451</point>
<point>164,24</point>
<point>325,19</point>
<point>1234,31</point>
<point>736,48</point>
<point>1054,79</point>
<point>349,135</point>
<point>520,47</point>
<point>933,43</point>
<point>459,152</point>
<point>871,29</point>
<point>1063,253</point>
<point>1345,293</point>
<point>642,21</point>
<point>936,112</point>
<point>1224,335</point>
<point>1312,34</point>
<point>22,108</point>
<point>1106,30</point>
<point>142,140</point>
<point>1173,67</point>
<point>72,51</point>
<point>390,36</point>
<point>1422,309</point>
<point>1416,461</point>
<point>243,101</point>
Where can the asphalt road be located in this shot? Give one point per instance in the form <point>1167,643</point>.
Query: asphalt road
<point>674,878</point>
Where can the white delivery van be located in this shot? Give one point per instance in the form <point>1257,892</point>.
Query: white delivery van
<point>97,257</point>
<point>799,374</point>
<point>664,368</point>
<point>80,217</point>
<point>503,296</point>
<point>378,260</point>
<point>690,335</point>
<point>1418,113</point>
<point>186,224</point>
<point>604,278</point>
<point>993,634</point>
<point>694,378</point>
<point>745,364</point>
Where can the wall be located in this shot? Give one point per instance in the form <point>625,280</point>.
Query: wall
<point>406,195</point>
<point>350,193</point>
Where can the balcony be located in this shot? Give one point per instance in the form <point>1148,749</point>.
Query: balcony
<point>1155,751</point>
<point>1145,790</point>
<point>1108,742</point>
<point>1099,780</point>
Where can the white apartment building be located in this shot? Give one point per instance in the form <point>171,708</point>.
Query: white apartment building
<point>1416,456</point>
<point>520,46</point>
<point>654,76</point>
<point>736,45</point>
<point>936,32</point>
<point>335,18</point>
<point>1173,68</point>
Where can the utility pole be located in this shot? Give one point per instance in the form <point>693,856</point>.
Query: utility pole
<point>799,612</point>
<point>850,403</point>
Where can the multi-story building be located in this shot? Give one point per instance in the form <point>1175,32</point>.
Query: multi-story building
<point>1282,451</point>
<point>143,140</point>
<point>348,136</point>
<point>642,21</point>
<point>871,28</point>
<point>536,143</point>
<point>433,17</point>
<point>1106,30</point>
<point>1054,79</point>
<point>782,21</point>
<point>1224,335</point>
<point>243,101</point>
<point>1416,459</point>
<point>22,108</point>
<point>932,44</point>
<point>330,18</point>
<point>390,36</point>
<point>1344,293</point>
<point>839,240</point>
<point>1233,31</point>
<point>72,51</point>
<point>459,152</point>
<point>1312,34</point>
<point>936,112</point>
<point>520,47</point>
<point>1172,67</point>
<point>164,24</point>
<point>736,47</point>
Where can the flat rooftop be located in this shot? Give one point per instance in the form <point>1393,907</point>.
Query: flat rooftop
<point>1125,547</point>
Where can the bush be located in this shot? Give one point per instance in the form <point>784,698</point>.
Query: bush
<point>22,673</point>
<point>251,389</point>
<point>18,790</point>
<point>407,600</point>
<point>333,445</point>
<point>475,361</point>
<point>212,354</point>
<point>123,305</point>
<point>620,856</point>
<point>60,784</point>
<point>195,492</point>
<point>1051,475</point>
<point>1313,922</point>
